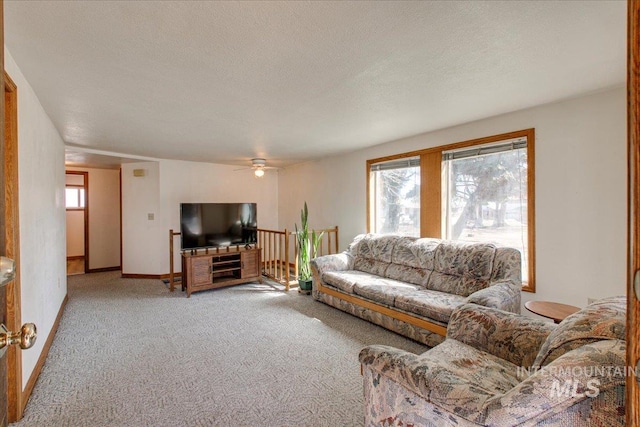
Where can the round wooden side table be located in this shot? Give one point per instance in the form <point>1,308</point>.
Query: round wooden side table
<point>551,310</point>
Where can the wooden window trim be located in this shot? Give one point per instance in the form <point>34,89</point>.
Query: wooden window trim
<point>431,189</point>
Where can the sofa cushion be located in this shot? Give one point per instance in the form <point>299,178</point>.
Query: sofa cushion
<point>507,265</point>
<point>461,368</point>
<point>404,273</point>
<point>413,252</point>
<point>430,304</point>
<point>458,285</point>
<point>343,280</point>
<point>462,268</point>
<point>376,246</point>
<point>383,291</point>
<point>604,319</point>
<point>371,266</point>
<point>473,260</point>
<point>562,393</point>
<point>452,375</point>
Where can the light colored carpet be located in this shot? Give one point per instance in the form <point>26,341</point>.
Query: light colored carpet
<point>130,353</point>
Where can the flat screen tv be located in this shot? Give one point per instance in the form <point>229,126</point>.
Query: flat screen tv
<point>210,225</point>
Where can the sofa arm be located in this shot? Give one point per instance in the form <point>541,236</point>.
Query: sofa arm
<point>336,262</point>
<point>397,365</point>
<point>509,336</point>
<point>503,294</point>
<point>452,377</point>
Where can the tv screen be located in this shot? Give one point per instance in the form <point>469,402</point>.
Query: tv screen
<point>209,225</point>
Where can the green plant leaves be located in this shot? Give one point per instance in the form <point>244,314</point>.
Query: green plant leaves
<point>307,247</point>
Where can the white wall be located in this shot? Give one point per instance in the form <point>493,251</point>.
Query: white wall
<point>141,238</point>
<point>75,233</point>
<point>580,191</point>
<point>104,217</point>
<point>166,184</point>
<point>42,216</point>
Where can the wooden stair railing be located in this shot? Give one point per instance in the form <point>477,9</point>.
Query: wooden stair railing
<point>328,245</point>
<point>275,260</point>
<point>280,253</point>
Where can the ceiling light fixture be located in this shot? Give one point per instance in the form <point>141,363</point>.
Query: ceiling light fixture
<point>259,167</point>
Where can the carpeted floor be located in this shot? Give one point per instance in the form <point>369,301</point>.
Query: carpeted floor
<point>130,353</point>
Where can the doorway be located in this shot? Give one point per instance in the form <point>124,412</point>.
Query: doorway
<point>93,215</point>
<point>77,212</point>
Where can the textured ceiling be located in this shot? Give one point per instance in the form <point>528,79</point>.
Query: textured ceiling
<point>291,81</point>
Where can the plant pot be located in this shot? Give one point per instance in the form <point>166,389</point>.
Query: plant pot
<point>305,285</point>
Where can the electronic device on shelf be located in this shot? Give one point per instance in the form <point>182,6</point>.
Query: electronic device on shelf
<point>215,225</point>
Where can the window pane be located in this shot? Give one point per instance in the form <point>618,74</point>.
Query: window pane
<point>71,197</point>
<point>74,197</point>
<point>396,205</point>
<point>486,200</point>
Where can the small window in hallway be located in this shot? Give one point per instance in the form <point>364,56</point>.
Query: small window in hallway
<point>74,197</point>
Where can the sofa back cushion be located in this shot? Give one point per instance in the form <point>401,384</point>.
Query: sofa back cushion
<point>373,252</point>
<point>462,268</point>
<point>412,260</point>
<point>413,275</point>
<point>604,319</point>
<point>507,265</point>
<point>414,252</point>
<point>562,394</point>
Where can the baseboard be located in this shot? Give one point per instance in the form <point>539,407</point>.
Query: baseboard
<point>75,257</point>
<point>26,393</point>
<point>103,269</point>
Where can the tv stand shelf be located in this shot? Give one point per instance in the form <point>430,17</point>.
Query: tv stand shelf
<point>216,268</point>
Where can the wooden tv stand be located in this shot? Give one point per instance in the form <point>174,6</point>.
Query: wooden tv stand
<point>216,268</point>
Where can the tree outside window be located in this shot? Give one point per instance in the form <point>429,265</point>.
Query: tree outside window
<point>480,190</point>
<point>485,197</point>
<point>397,197</point>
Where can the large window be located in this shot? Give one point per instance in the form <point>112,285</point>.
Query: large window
<point>395,205</point>
<point>480,190</point>
<point>485,195</point>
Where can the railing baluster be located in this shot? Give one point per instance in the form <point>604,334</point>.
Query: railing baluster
<point>281,270</point>
<point>275,248</point>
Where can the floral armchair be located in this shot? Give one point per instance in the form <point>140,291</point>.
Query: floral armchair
<point>502,369</point>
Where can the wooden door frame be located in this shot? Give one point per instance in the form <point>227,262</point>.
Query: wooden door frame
<point>86,214</point>
<point>15,399</point>
<point>4,366</point>
<point>633,245</point>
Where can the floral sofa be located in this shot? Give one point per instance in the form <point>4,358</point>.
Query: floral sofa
<point>412,286</point>
<point>502,369</point>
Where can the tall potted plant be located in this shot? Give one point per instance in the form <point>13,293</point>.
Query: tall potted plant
<point>307,249</point>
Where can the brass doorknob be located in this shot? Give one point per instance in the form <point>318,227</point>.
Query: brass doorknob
<point>25,338</point>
